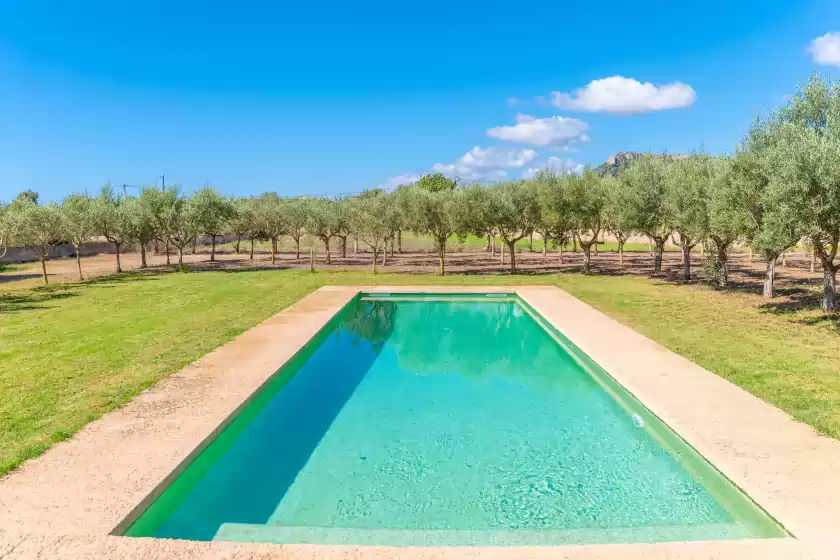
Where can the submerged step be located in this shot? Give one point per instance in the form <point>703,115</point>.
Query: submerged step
<point>285,534</point>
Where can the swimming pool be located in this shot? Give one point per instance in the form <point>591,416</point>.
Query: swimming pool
<point>448,420</point>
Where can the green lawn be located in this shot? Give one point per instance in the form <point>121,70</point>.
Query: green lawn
<point>73,352</point>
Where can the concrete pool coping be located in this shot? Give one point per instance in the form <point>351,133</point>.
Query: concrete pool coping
<point>66,503</point>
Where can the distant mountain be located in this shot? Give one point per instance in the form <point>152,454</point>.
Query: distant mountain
<point>620,161</point>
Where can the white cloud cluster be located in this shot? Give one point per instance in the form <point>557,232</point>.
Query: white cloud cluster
<point>826,49</point>
<point>486,163</point>
<point>542,132</point>
<point>558,164</point>
<point>626,95</point>
<point>398,181</point>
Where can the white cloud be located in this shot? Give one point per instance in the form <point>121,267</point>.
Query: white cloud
<point>484,163</point>
<point>626,95</point>
<point>826,49</point>
<point>541,132</point>
<point>558,164</point>
<point>398,181</point>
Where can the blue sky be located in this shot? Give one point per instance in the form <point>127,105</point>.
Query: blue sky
<point>322,98</point>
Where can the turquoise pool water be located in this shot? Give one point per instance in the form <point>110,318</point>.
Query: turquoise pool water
<point>449,421</point>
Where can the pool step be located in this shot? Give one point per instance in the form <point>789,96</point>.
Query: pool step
<point>284,534</point>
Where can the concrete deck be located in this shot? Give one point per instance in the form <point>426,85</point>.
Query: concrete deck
<point>66,503</point>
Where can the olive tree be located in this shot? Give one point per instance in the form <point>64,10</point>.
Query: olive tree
<point>185,225</point>
<point>212,214</point>
<point>774,225</point>
<point>113,220</point>
<point>618,219</point>
<point>161,208</point>
<point>242,222</point>
<point>554,221</point>
<point>645,193</point>
<point>728,219</point>
<point>295,218</point>
<point>341,210</point>
<point>270,221</point>
<point>372,222</point>
<point>686,185</point>
<point>36,227</point>
<point>322,222</point>
<point>79,227</point>
<point>514,210</point>
<point>434,213</point>
<point>807,167</point>
<point>587,199</point>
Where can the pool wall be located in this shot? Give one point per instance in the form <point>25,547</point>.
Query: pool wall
<point>65,503</point>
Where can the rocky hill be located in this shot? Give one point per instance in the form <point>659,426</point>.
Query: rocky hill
<point>622,160</point>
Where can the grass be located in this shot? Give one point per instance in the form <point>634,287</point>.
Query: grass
<point>73,352</point>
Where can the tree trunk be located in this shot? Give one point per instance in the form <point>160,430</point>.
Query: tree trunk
<point>587,257</point>
<point>657,256</point>
<point>212,248</point>
<point>487,245</point>
<point>117,246</point>
<point>721,266</point>
<point>344,247</point>
<point>784,259</point>
<point>596,244</point>
<point>181,257</point>
<point>143,256</point>
<point>560,252</point>
<point>238,241</point>
<point>384,253</point>
<point>194,241</point>
<point>327,250</point>
<point>442,256</point>
<point>813,260</point>
<point>166,247</point>
<point>829,287</point>
<point>531,243</point>
<point>769,277</point>
<point>574,243</point>
<point>79,262</point>
<point>545,245</point>
<point>252,248</point>
<point>156,247</point>
<point>43,258</point>
<point>493,250</point>
<point>375,258</point>
<point>311,255</point>
<point>512,249</point>
<point>355,246</point>
<point>392,246</point>
<point>502,253</point>
<point>686,258</point>
<point>399,241</point>
<point>273,250</point>
<point>297,248</point>
<point>621,253</point>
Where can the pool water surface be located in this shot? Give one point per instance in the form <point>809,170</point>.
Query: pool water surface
<point>448,421</point>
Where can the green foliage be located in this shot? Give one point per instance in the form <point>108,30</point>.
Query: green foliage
<point>28,196</point>
<point>513,210</point>
<point>645,190</point>
<point>113,217</point>
<point>587,199</point>
<point>436,183</point>
<point>36,227</point>
<point>212,212</point>
<point>374,218</point>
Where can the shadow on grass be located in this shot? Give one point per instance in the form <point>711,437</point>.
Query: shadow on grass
<point>37,298</point>
<point>16,277</point>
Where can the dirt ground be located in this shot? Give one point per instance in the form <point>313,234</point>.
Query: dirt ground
<point>744,274</point>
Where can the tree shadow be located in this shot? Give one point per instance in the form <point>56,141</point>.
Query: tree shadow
<point>16,277</point>
<point>37,298</point>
